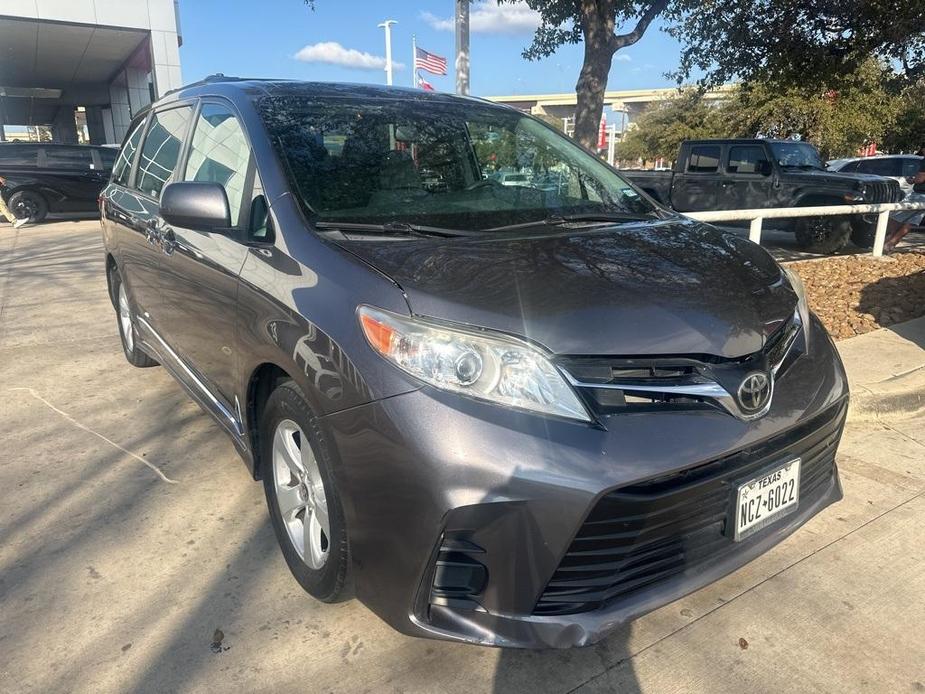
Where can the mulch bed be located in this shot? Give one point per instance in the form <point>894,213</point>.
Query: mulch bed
<point>853,295</point>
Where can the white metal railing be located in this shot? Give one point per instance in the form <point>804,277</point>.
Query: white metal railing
<point>757,216</point>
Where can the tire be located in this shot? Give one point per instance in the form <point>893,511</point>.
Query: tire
<point>863,233</point>
<point>125,319</point>
<point>299,486</point>
<point>825,235</point>
<point>28,205</point>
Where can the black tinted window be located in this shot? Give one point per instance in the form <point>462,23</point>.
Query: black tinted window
<point>704,159</point>
<point>220,154</point>
<point>18,155</point>
<point>80,158</point>
<point>881,167</point>
<point>747,160</point>
<point>108,157</point>
<point>850,167</point>
<point>161,150</point>
<point>912,166</point>
<point>123,165</point>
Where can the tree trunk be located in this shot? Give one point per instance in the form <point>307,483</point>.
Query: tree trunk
<point>592,82</point>
<point>597,24</point>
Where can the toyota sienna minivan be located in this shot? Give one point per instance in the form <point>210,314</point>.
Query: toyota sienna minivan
<point>508,415</point>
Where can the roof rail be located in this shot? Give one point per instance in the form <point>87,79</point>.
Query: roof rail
<point>211,79</point>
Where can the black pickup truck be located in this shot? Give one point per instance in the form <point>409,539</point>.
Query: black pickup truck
<point>747,174</point>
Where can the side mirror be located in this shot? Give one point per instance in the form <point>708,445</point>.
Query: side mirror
<point>196,205</point>
<point>765,168</point>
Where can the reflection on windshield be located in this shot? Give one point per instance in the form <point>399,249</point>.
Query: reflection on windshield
<point>460,166</point>
<point>797,154</point>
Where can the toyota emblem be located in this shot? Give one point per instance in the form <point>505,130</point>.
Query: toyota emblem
<point>755,392</point>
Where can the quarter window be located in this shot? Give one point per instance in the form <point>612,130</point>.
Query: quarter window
<point>161,150</point>
<point>746,160</point>
<point>220,154</point>
<point>123,165</point>
<point>704,159</point>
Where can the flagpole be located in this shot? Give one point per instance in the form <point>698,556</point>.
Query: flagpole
<point>387,25</point>
<point>414,59</point>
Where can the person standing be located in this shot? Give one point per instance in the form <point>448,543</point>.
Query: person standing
<point>902,222</point>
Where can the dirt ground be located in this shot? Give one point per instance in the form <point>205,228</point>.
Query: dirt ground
<point>856,294</point>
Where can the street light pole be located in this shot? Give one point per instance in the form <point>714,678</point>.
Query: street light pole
<point>387,25</point>
<point>462,46</point>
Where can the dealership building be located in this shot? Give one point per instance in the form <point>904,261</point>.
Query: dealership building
<point>108,58</point>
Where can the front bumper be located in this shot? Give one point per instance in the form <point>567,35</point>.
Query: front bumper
<point>426,472</point>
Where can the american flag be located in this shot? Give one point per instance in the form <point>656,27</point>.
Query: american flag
<point>429,61</point>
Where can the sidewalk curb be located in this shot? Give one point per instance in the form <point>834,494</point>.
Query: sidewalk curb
<point>886,372</point>
<point>898,398</point>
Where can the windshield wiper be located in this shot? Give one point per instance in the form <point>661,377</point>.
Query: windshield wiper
<point>390,229</point>
<point>559,219</point>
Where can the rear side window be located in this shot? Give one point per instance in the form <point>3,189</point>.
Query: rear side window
<point>18,155</point>
<point>746,160</point>
<point>220,154</point>
<point>123,165</point>
<point>78,158</point>
<point>881,167</point>
<point>108,157</point>
<point>912,166</point>
<point>161,150</point>
<point>704,159</point>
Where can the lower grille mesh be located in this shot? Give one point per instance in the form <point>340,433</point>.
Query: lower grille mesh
<point>649,532</point>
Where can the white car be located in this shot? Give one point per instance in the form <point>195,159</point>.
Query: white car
<point>902,167</point>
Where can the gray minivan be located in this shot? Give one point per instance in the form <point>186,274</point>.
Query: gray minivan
<point>508,415</point>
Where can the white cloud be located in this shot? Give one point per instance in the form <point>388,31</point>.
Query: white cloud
<point>623,58</point>
<point>332,53</point>
<point>488,17</point>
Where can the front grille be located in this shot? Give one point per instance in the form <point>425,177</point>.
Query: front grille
<point>642,534</point>
<point>883,191</point>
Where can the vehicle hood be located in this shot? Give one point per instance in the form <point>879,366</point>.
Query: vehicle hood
<point>672,287</point>
<point>849,181</point>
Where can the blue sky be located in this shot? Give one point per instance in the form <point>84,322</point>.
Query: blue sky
<point>261,38</point>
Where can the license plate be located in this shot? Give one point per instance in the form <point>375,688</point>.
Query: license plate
<point>765,499</point>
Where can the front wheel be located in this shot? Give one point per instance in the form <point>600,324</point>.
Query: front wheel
<point>302,498</point>
<point>824,235</point>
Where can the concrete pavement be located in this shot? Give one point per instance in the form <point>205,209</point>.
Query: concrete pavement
<point>136,554</point>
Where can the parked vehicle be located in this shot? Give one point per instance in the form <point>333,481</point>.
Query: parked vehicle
<point>501,414</point>
<point>748,174</point>
<point>45,177</point>
<point>902,168</point>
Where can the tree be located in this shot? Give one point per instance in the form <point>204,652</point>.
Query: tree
<point>838,117</point>
<point>659,131</point>
<point>908,131</point>
<point>604,26</point>
<point>789,42</point>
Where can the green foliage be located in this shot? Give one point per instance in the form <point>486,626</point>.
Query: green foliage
<point>908,131</point>
<point>795,41</point>
<point>659,131</point>
<point>839,117</point>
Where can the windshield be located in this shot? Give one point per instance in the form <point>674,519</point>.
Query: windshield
<point>460,166</point>
<point>797,154</point>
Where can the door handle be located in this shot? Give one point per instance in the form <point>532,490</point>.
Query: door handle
<point>168,240</point>
<point>152,232</point>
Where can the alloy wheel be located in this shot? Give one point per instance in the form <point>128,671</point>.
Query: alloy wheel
<point>300,494</point>
<point>125,319</point>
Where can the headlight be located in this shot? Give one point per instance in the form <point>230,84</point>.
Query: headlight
<point>796,284</point>
<point>488,366</point>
